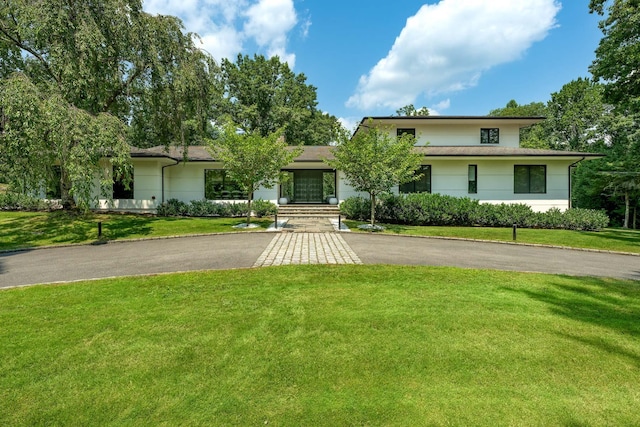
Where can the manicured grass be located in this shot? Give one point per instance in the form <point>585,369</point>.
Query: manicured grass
<point>25,229</point>
<point>323,345</point>
<point>610,239</point>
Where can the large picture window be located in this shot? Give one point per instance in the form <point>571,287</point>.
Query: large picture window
<point>490,136</point>
<point>529,179</point>
<point>422,185</point>
<point>218,186</point>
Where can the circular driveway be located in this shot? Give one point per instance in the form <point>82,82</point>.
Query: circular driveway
<point>243,250</point>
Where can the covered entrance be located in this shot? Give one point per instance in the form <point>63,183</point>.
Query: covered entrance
<point>309,186</point>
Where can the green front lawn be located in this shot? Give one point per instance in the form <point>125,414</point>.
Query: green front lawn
<point>26,229</point>
<point>610,239</point>
<point>323,345</point>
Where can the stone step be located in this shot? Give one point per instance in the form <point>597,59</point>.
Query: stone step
<point>308,211</point>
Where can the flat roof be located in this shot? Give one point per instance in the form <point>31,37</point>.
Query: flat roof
<point>313,153</point>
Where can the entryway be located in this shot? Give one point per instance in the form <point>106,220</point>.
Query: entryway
<point>309,186</point>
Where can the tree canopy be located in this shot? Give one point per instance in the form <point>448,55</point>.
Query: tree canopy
<point>374,160</point>
<point>617,60</point>
<point>263,95</point>
<point>410,110</point>
<point>252,160</point>
<point>88,59</point>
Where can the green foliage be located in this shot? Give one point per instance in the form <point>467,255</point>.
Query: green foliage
<point>618,54</point>
<point>534,136</point>
<point>252,160</point>
<point>205,208</point>
<point>427,209</point>
<point>42,130</point>
<point>577,117</point>
<point>11,201</point>
<point>264,96</point>
<point>374,160</point>
<point>79,78</point>
<point>410,110</point>
<point>263,208</point>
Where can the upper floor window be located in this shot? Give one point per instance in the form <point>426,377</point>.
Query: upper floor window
<point>422,185</point>
<point>529,179</point>
<point>403,131</point>
<point>489,136</point>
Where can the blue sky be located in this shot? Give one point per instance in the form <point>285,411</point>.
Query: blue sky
<point>367,57</point>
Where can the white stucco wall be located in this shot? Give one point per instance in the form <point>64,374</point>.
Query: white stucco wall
<point>451,134</point>
<point>495,181</point>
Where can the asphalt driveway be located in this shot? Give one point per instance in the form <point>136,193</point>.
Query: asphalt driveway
<point>243,249</point>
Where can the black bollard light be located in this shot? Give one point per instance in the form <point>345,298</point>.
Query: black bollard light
<point>99,229</point>
<point>276,221</point>
<point>339,222</point>
<point>515,231</point>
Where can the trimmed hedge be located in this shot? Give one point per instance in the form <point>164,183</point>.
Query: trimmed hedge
<point>438,209</point>
<point>204,208</point>
<point>23,202</point>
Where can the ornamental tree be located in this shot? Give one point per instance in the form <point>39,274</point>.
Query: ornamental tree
<point>252,160</point>
<point>374,160</point>
<point>84,65</point>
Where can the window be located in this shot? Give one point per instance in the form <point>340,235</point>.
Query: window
<point>473,179</point>
<point>422,185</point>
<point>403,131</point>
<point>218,186</point>
<point>490,136</point>
<point>120,191</point>
<point>529,179</point>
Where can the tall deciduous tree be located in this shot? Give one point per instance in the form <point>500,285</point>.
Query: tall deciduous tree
<point>577,117</point>
<point>535,136</point>
<point>374,160</point>
<point>264,95</point>
<point>44,131</point>
<point>252,160</point>
<point>96,58</point>
<point>617,60</point>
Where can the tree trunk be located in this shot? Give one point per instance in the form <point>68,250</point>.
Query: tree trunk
<point>249,198</point>
<point>373,209</point>
<point>68,203</point>
<point>626,210</point>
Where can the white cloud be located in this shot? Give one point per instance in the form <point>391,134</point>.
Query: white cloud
<point>225,26</point>
<point>436,110</point>
<point>447,46</point>
<point>268,22</point>
<point>349,123</point>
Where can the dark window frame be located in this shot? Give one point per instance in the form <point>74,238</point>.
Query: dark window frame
<point>424,182</point>
<point>530,187</point>
<point>473,183</point>
<point>403,131</point>
<point>490,136</point>
<point>227,190</point>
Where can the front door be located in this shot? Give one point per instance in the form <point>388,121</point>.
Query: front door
<point>307,186</point>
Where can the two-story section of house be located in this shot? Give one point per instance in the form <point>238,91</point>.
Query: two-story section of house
<point>480,157</point>
<point>464,156</point>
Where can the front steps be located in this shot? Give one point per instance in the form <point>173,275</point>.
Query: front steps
<point>308,211</point>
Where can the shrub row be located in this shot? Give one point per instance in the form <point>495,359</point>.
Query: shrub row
<point>438,209</point>
<point>202,208</point>
<point>23,202</point>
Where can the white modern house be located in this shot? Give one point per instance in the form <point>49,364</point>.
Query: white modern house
<point>471,156</point>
